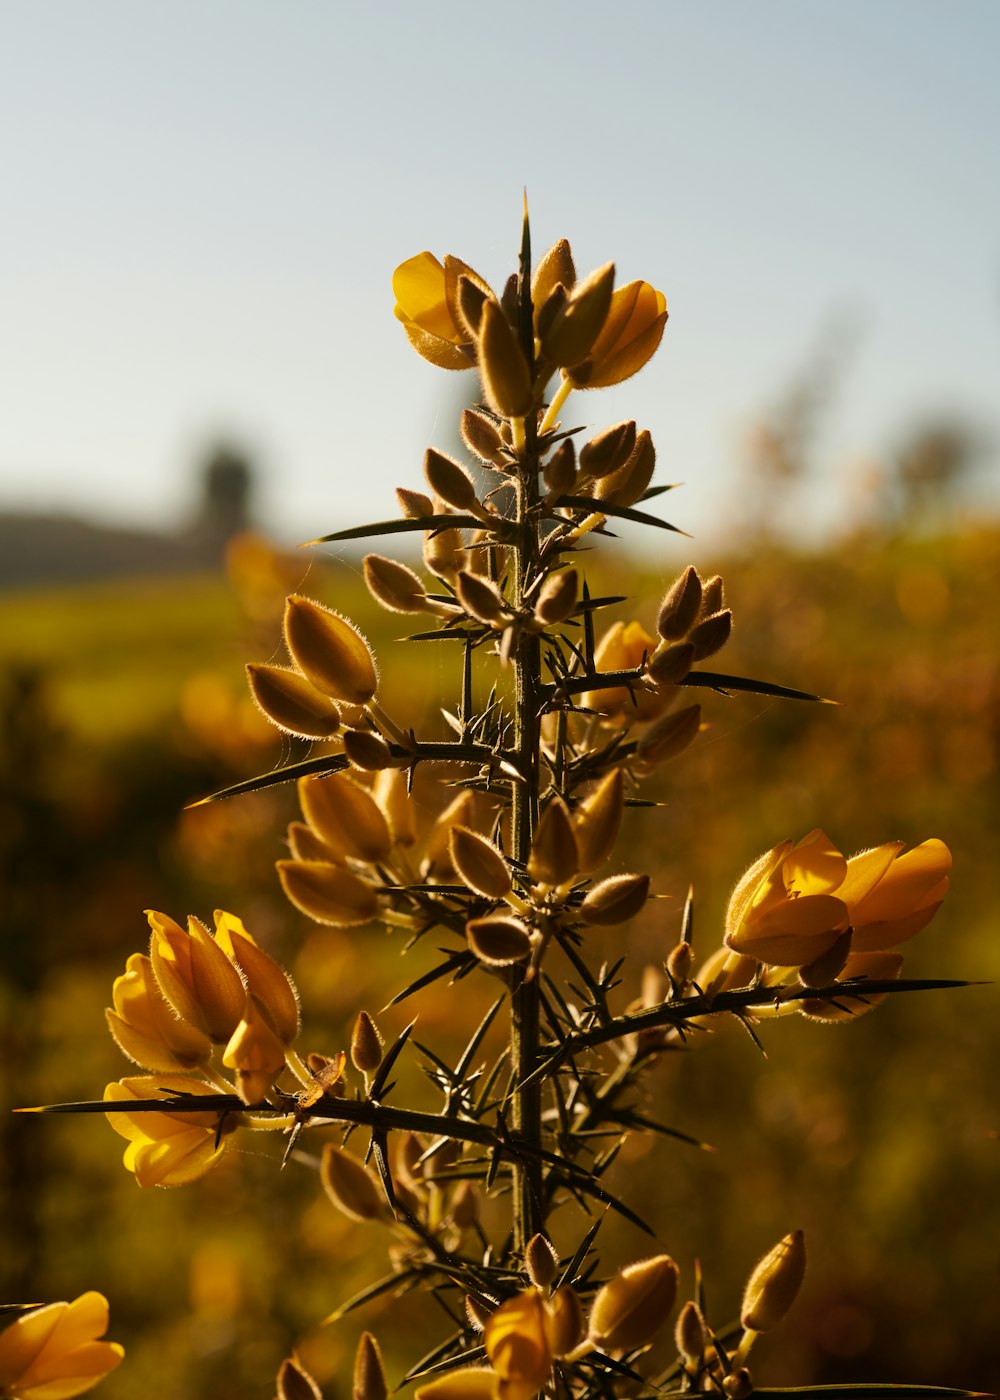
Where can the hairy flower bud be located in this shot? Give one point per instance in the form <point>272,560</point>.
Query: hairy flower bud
<point>574,331</point>
<point>554,857</point>
<point>669,736</point>
<point>680,605</point>
<point>615,899</point>
<point>265,979</point>
<point>366,1044</point>
<point>414,505</point>
<point>598,820</point>
<point>328,893</point>
<point>449,480</point>
<point>711,634</point>
<point>630,335</point>
<point>366,751</point>
<point>670,664</point>
<point>499,940</point>
<point>555,268</point>
<point>541,1263</point>
<point>774,1284</point>
<point>329,651</point>
<point>690,1334</point>
<point>479,864</point>
<point>608,451</point>
<point>482,437</point>
<point>504,370</point>
<point>349,1184</point>
<point>480,598</point>
<point>557,597</point>
<point>292,702</point>
<point>369,1377</point>
<point>559,471</point>
<point>346,817</point>
<point>394,585</point>
<point>626,485</point>
<point>634,1304</point>
<point>295,1382</point>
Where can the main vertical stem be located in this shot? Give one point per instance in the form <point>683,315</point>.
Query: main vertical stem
<point>524,1027</point>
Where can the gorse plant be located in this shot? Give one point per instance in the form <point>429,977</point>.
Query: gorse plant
<point>499,836</point>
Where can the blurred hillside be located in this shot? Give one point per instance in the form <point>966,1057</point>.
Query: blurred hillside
<point>121,703</point>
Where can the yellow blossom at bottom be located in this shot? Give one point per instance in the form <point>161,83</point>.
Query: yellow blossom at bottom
<point>173,1147</point>
<point>53,1353</point>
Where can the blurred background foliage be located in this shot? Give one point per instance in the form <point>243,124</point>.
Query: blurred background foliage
<point>122,701</point>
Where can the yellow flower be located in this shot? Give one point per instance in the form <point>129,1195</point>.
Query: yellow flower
<point>630,336</point>
<point>173,1147</point>
<point>518,1346</point>
<point>427,305</point>
<point>195,976</point>
<point>255,1053</point>
<point>268,983</point>
<point>53,1353</point>
<point>891,896</point>
<point>784,911</point>
<point>791,905</point>
<point>622,648</point>
<point>146,1028</point>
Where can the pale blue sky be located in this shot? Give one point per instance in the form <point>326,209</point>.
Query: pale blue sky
<point>202,202</point>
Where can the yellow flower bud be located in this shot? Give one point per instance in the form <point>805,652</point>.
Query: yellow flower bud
<point>608,451</point>
<point>469,1383</point>
<point>481,598</point>
<point>598,820</point>
<point>328,893</point>
<point>295,1382</point>
<point>504,370</point>
<point>292,703</point>
<point>195,976</point>
<point>346,817</point>
<point>269,983</point>
<point>626,485</point>
<point>393,585</point>
<point>460,811</point>
<point>304,844</point>
<point>615,899</point>
<point>669,736</point>
<point>482,437</point>
<point>630,335</point>
<point>670,664</point>
<point>449,480</point>
<point>774,1284</point>
<point>479,864</point>
<point>366,1044</point>
<point>557,597</point>
<point>350,1186</point>
<point>369,1377</point>
<point>541,1263</point>
<point>577,326</point>
<point>680,605</point>
<point>329,651</point>
<point>554,269</point>
<point>634,1304</point>
<point>559,471</point>
<point>390,791</point>
<point>414,505</point>
<point>444,553</point>
<point>712,596</point>
<point>554,857</point>
<point>366,751</point>
<point>499,941</point>
<point>146,1028</point>
<point>255,1053</point>
<point>690,1334</point>
<point>711,634</point>
<point>54,1352</point>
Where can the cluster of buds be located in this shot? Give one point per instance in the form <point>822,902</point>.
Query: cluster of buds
<point>198,1007</point>
<point>544,1325</point>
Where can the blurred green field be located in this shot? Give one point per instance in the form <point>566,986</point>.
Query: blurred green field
<point>120,704</point>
